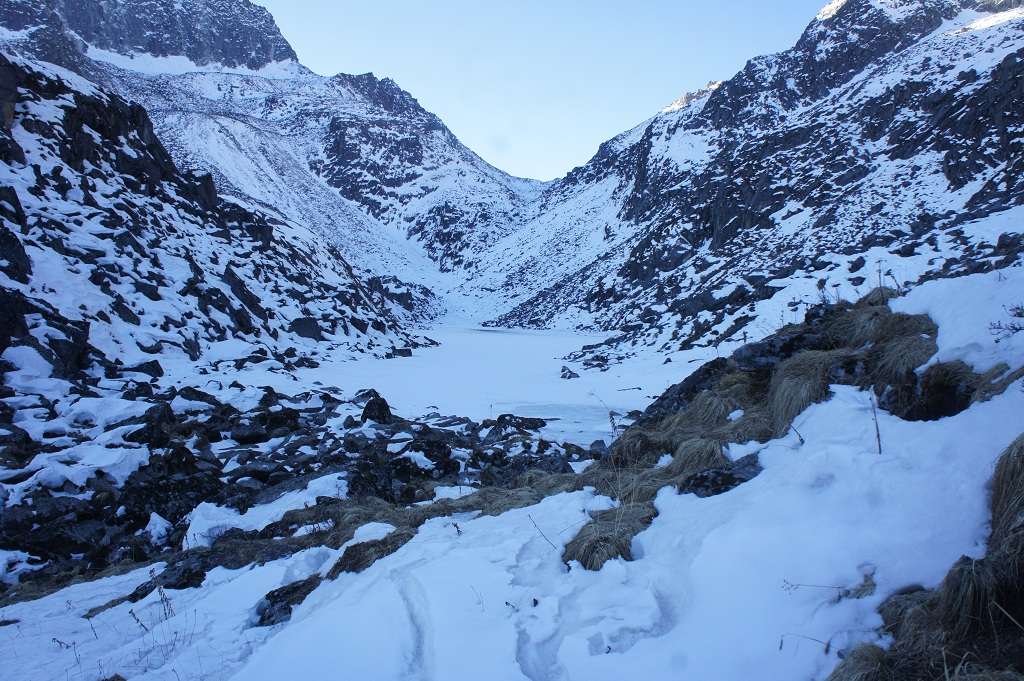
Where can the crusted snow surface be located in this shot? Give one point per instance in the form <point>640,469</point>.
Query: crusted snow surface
<point>208,521</point>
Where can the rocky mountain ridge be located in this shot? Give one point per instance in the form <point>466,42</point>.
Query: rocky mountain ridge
<point>136,262</point>
<point>863,153</point>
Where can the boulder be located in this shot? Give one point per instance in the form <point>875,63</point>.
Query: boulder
<point>714,481</point>
<point>276,606</point>
<point>377,410</point>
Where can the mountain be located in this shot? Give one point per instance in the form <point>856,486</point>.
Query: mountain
<point>115,260</point>
<point>222,33</point>
<point>767,185</point>
<point>862,154</point>
<point>355,158</point>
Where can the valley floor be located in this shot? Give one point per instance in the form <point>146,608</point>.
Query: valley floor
<point>481,373</point>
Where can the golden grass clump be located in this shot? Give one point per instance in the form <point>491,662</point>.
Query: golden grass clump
<point>692,456</point>
<point>995,381</point>
<point>604,477</point>
<point>798,382</point>
<point>877,296</point>
<point>859,326</point>
<point>965,597</point>
<point>644,446</point>
<point>609,535</point>
<point>895,360</point>
<point>638,447</point>
<point>696,455</point>
<point>1008,494</point>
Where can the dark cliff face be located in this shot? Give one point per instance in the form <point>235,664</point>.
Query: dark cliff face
<point>837,45</point>
<point>233,33</point>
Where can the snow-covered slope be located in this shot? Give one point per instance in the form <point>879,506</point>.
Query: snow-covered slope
<point>352,157</point>
<point>194,483</point>
<point>776,561</point>
<point>147,263</point>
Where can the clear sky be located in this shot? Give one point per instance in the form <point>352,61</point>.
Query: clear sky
<point>535,86</point>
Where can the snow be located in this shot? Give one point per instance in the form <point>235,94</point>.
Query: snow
<point>12,564</point>
<point>208,521</point>
<point>964,328</point>
<point>491,598</point>
<point>453,492</point>
<point>482,373</point>
<point>712,576</point>
<point>157,528</point>
<point>826,513</point>
<point>149,64</point>
<point>830,10</point>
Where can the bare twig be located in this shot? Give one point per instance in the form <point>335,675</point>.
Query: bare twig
<point>1012,619</point>
<point>792,586</point>
<point>878,433</point>
<point>138,621</point>
<point>541,532</point>
<point>826,645</point>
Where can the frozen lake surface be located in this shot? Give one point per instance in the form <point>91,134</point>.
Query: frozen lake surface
<point>483,372</point>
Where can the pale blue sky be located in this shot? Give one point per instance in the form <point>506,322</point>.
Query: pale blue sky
<point>532,86</point>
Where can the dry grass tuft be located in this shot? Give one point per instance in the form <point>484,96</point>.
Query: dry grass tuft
<point>864,663</point>
<point>692,456</point>
<point>696,455</point>
<point>965,597</point>
<point>603,477</point>
<point>609,535</point>
<point>911,619</point>
<point>878,296</point>
<point>860,326</point>
<point>753,425</point>
<point>707,410</point>
<point>358,557</point>
<point>895,360</point>
<point>995,381</point>
<point>799,382</point>
<point>1008,494</point>
<point>639,447</point>
<point>989,676</point>
<point>946,388</point>
<point>488,500</point>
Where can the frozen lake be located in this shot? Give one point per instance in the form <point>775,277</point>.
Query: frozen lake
<point>483,372</point>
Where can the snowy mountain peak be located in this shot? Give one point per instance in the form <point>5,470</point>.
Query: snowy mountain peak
<point>689,97</point>
<point>379,92</point>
